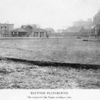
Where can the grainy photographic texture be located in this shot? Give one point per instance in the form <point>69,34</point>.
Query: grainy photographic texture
<point>49,44</point>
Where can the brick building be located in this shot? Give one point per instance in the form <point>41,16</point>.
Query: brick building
<point>5,29</point>
<point>97,30</point>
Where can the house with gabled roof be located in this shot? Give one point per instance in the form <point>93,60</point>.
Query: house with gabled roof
<point>19,32</point>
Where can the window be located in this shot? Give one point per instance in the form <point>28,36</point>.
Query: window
<point>35,34</point>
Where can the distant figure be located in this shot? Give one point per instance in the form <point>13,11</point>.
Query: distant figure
<point>47,35</point>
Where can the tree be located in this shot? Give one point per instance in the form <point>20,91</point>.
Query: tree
<point>28,28</point>
<point>50,30</point>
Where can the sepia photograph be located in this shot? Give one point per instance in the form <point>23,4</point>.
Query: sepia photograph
<point>49,44</point>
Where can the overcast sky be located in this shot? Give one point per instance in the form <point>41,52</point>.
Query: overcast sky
<point>47,13</point>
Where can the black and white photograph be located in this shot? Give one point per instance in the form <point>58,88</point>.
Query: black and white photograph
<point>49,44</point>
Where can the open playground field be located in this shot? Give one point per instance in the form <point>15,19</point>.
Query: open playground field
<point>68,50</point>
<point>22,75</point>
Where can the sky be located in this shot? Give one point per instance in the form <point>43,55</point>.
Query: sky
<point>57,14</point>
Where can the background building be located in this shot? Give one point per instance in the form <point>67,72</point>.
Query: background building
<point>5,29</point>
<point>38,32</point>
<point>19,32</point>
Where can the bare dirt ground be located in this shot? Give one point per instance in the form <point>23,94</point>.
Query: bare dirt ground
<point>28,76</point>
<point>69,50</point>
<point>15,75</point>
